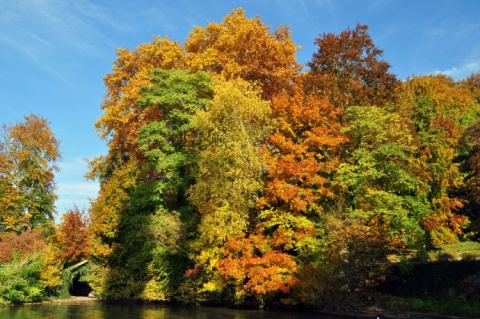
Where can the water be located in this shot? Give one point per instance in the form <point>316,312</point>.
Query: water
<point>99,310</point>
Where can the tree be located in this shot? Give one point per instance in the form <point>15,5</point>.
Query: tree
<point>145,192</point>
<point>302,155</point>
<point>382,178</point>
<point>73,237</point>
<point>228,181</point>
<point>28,152</point>
<point>440,111</point>
<point>348,70</point>
<point>119,171</point>
<point>242,47</point>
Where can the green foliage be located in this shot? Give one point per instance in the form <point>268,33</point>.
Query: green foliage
<point>20,280</point>
<point>445,307</point>
<point>382,176</point>
<point>168,142</point>
<point>468,250</point>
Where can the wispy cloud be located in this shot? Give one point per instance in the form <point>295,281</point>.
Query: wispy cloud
<point>460,72</point>
<point>72,188</point>
<point>54,35</point>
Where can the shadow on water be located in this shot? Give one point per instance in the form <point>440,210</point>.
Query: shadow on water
<point>100,310</point>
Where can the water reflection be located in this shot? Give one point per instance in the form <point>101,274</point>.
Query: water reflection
<point>99,310</point>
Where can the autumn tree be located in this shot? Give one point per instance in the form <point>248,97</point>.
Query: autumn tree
<point>28,153</point>
<point>119,126</point>
<point>302,155</point>
<point>348,70</point>
<point>73,236</point>
<point>228,180</point>
<point>243,47</point>
<point>147,192</point>
<point>385,182</point>
<point>440,111</point>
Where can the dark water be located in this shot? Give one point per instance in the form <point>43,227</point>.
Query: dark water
<point>99,310</point>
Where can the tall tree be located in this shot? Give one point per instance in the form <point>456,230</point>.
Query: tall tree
<point>123,117</point>
<point>440,111</point>
<point>302,155</point>
<point>28,153</point>
<point>228,181</point>
<point>119,170</point>
<point>147,191</point>
<point>348,70</point>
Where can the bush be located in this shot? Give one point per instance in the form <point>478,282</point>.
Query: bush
<point>23,244</point>
<point>20,280</point>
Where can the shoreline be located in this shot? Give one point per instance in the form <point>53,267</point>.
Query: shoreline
<point>369,312</point>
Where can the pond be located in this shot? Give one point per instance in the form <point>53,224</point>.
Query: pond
<point>100,310</point>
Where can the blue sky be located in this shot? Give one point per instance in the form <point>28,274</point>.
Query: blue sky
<point>55,53</point>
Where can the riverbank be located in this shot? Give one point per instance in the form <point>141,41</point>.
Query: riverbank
<point>73,299</point>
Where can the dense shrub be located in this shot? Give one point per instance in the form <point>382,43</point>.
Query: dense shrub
<point>22,245</point>
<point>20,280</point>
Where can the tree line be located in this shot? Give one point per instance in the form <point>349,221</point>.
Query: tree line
<point>235,175</point>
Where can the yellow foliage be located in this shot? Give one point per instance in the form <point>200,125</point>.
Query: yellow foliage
<point>153,291</point>
<point>242,47</point>
<point>51,267</point>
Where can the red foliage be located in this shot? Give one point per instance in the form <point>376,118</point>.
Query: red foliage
<point>191,272</point>
<point>348,70</point>
<point>23,244</point>
<point>73,236</point>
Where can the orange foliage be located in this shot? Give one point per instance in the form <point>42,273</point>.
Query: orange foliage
<point>22,244</point>
<point>257,268</point>
<point>73,236</point>
<point>242,47</point>
<point>302,153</point>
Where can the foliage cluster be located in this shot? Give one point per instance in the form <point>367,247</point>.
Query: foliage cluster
<point>14,245</point>
<point>33,264</point>
<point>20,280</point>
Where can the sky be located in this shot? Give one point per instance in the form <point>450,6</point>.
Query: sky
<point>54,54</point>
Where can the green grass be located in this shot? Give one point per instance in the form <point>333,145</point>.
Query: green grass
<point>467,250</point>
<point>450,307</point>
